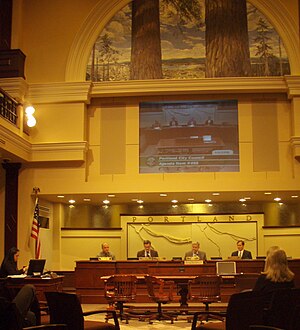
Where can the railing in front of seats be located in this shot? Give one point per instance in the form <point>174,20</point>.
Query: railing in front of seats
<point>8,107</point>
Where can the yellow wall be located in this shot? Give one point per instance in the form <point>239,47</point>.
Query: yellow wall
<point>57,37</point>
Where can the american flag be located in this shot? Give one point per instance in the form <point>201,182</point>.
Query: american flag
<point>35,230</point>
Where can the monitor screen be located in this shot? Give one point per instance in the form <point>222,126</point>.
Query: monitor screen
<point>36,267</point>
<point>189,136</point>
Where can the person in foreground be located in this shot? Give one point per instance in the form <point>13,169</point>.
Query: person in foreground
<point>195,253</point>
<point>105,252</point>
<point>241,252</point>
<point>148,251</point>
<point>277,274</point>
<point>26,306</point>
<point>9,264</point>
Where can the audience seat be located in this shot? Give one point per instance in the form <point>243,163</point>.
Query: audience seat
<point>66,308</point>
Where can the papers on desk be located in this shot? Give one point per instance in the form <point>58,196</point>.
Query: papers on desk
<point>17,276</point>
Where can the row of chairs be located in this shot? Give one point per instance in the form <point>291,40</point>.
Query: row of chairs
<point>121,289</point>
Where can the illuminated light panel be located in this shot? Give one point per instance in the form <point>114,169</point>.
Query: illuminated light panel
<point>72,201</point>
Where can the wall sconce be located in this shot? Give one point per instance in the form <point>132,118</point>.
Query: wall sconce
<point>29,111</point>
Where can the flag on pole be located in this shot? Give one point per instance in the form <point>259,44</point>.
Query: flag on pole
<point>35,230</point>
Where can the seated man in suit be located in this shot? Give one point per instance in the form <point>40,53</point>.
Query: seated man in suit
<point>241,252</point>
<point>196,253</point>
<point>148,251</point>
<point>105,252</point>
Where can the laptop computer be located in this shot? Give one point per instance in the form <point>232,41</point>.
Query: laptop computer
<point>226,267</point>
<point>36,267</point>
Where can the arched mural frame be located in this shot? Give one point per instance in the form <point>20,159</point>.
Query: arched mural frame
<point>101,14</point>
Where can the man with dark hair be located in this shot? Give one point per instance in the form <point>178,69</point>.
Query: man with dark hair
<point>148,252</point>
<point>241,252</point>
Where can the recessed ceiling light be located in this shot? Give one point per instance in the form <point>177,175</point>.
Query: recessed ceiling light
<point>105,206</point>
<point>106,201</point>
<point>111,195</point>
<point>277,199</point>
<point>174,201</point>
<point>247,197</point>
<point>174,206</point>
<point>72,201</point>
<point>86,199</point>
<point>295,196</point>
<point>140,201</point>
<point>71,206</point>
<point>163,195</point>
<point>280,204</point>
<point>141,206</point>
<point>191,199</point>
<point>242,200</point>
<point>134,199</point>
<point>268,193</point>
<point>215,194</point>
<point>207,200</point>
<point>210,205</point>
<point>60,196</point>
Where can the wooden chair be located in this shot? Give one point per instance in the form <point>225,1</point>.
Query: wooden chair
<point>66,308</point>
<point>205,289</point>
<point>120,289</point>
<point>244,309</point>
<point>161,292</point>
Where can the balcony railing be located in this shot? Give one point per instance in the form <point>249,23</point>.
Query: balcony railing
<point>8,107</point>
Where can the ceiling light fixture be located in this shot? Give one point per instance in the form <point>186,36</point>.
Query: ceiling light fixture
<point>242,200</point>
<point>86,199</point>
<point>111,195</point>
<point>268,193</point>
<point>295,196</point>
<point>140,201</point>
<point>215,194</point>
<point>163,195</point>
<point>207,201</point>
<point>277,199</point>
<point>106,201</point>
<point>174,201</point>
<point>60,196</point>
<point>72,201</point>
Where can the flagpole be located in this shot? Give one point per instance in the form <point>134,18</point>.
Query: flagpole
<point>35,224</point>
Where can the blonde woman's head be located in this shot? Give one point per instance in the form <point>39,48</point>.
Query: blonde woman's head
<point>277,269</point>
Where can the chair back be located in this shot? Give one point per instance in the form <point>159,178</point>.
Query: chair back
<point>158,289</point>
<point>282,309</point>
<point>245,309</point>
<point>65,308</point>
<point>205,288</point>
<point>120,288</point>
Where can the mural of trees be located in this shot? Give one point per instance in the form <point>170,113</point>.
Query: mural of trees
<point>227,45</point>
<point>187,39</point>
<point>146,43</point>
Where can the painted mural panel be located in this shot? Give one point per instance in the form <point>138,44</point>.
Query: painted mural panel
<point>186,39</point>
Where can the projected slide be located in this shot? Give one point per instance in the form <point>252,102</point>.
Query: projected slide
<point>189,136</point>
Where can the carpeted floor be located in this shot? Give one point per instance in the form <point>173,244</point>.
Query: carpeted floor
<point>180,323</point>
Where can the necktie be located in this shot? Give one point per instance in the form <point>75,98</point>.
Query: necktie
<point>240,254</point>
<point>148,254</point>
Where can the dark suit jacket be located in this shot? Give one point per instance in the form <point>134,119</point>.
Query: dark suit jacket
<point>246,254</point>
<point>153,253</point>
